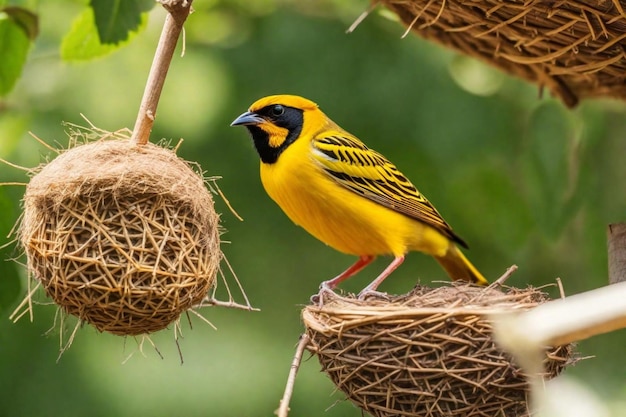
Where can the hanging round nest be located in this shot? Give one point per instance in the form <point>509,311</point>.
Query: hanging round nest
<point>575,48</point>
<point>124,237</point>
<point>429,353</point>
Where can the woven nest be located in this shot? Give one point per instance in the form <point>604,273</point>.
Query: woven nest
<point>429,353</point>
<point>575,48</point>
<point>123,237</point>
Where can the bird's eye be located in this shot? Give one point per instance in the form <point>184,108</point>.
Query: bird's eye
<point>278,110</point>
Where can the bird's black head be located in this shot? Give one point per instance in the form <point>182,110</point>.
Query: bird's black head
<point>274,123</point>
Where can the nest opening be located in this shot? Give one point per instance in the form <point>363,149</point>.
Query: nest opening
<point>121,236</point>
<point>428,353</point>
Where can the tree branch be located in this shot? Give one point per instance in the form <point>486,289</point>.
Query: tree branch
<point>178,10</point>
<point>283,409</point>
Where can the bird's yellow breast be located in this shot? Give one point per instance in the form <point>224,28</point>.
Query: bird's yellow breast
<point>339,217</point>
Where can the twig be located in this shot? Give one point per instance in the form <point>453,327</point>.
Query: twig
<point>44,144</point>
<point>559,283</point>
<point>283,409</point>
<point>616,240</point>
<point>362,17</point>
<point>201,317</point>
<point>510,270</point>
<point>154,346</point>
<point>231,208</point>
<point>177,14</point>
<point>27,301</point>
<point>228,304</point>
<point>5,162</point>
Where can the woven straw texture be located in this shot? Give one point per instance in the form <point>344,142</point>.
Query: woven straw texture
<point>575,48</point>
<point>123,237</point>
<point>426,354</point>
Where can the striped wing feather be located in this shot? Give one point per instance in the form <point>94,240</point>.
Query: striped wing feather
<point>366,172</point>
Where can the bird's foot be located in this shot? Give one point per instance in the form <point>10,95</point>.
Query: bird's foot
<point>366,293</point>
<point>318,298</point>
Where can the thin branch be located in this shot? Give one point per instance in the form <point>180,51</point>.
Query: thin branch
<point>362,17</point>
<point>500,281</point>
<point>177,14</point>
<point>283,409</point>
<point>228,304</point>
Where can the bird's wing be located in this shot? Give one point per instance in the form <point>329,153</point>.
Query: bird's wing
<point>366,172</point>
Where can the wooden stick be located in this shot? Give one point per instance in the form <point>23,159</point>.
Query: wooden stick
<point>567,320</point>
<point>616,242</point>
<point>283,409</point>
<point>178,10</point>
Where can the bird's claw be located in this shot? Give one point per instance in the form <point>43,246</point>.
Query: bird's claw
<point>319,297</point>
<point>363,295</point>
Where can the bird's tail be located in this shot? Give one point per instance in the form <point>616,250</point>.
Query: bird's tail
<point>459,267</point>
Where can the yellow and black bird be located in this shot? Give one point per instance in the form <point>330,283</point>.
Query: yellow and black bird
<point>348,196</point>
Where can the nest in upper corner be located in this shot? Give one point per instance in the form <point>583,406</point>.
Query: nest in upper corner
<point>428,353</point>
<point>575,48</point>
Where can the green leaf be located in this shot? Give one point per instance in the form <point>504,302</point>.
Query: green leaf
<point>14,46</point>
<point>27,20</point>
<point>116,19</point>
<point>83,43</point>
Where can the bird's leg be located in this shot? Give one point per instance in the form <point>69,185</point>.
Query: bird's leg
<point>361,263</point>
<point>331,284</point>
<point>371,288</point>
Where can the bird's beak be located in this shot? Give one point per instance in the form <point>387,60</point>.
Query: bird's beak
<point>248,118</point>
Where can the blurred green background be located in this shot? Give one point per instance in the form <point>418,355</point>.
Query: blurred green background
<point>524,180</point>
